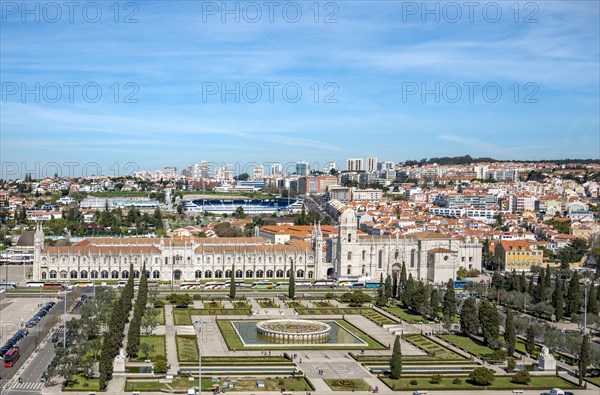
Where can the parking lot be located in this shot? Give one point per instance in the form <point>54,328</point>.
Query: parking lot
<point>16,311</point>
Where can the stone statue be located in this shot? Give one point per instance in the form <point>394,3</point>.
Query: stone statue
<point>547,361</point>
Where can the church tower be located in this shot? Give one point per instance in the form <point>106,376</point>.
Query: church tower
<point>38,246</point>
<point>347,242</point>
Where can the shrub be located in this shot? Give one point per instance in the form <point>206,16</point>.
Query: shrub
<point>511,364</point>
<point>159,303</point>
<point>436,379</point>
<point>457,381</point>
<point>522,377</point>
<point>160,366</point>
<point>482,376</point>
<point>197,297</point>
<point>414,382</point>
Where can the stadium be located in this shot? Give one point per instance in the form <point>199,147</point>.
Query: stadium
<point>250,206</point>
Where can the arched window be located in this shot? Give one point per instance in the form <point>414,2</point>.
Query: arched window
<point>349,255</point>
<point>94,274</point>
<point>310,274</point>
<point>349,237</point>
<point>259,274</point>
<point>412,258</point>
<point>52,274</point>
<point>269,273</point>
<point>300,273</point>
<point>73,274</point>
<point>227,273</point>
<point>288,273</point>
<point>364,255</point>
<point>166,260</point>
<point>84,274</point>
<point>208,274</point>
<point>380,259</point>
<point>364,268</point>
<point>156,274</point>
<point>218,274</point>
<point>114,274</point>
<point>43,275</point>
<point>104,274</point>
<point>156,260</point>
<point>198,274</point>
<point>279,273</point>
<point>125,274</point>
<point>136,274</point>
<point>147,273</point>
<point>177,275</point>
<point>239,274</point>
<point>349,270</point>
<point>63,274</point>
<point>396,254</point>
<point>299,259</point>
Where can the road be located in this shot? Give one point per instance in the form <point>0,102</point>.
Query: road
<point>29,344</point>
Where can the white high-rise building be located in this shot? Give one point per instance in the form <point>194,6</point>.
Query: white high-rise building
<point>228,172</point>
<point>330,166</point>
<point>354,164</point>
<point>258,171</point>
<point>302,168</point>
<point>371,163</point>
<point>170,171</point>
<point>276,169</point>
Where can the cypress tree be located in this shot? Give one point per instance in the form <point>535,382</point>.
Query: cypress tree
<point>409,290</point>
<point>530,342</point>
<point>573,302</point>
<point>558,300</point>
<point>592,304</point>
<point>395,285</point>
<point>523,282</point>
<point>531,286</point>
<point>548,278</point>
<point>434,302</point>
<point>232,288</point>
<point>388,286</point>
<point>396,360</point>
<point>584,358</point>
<point>292,284</point>
<point>403,278</point>
<point>489,320</point>
<point>469,320</point>
<point>510,334</point>
<point>449,307</point>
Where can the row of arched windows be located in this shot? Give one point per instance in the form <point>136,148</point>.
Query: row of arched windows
<point>250,274</point>
<point>95,274</point>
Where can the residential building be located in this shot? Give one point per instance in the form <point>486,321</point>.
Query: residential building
<point>354,164</point>
<point>519,255</point>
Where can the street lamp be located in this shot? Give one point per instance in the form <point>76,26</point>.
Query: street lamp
<point>587,282</point>
<point>198,322</point>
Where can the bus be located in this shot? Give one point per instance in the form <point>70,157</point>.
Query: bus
<point>53,287</point>
<point>35,284</point>
<point>324,283</point>
<point>190,286</point>
<point>214,285</point>
<point>8,286</point>
<point>11,357</point>
<point>262,285</point>
<point>282,285</point>
<point>238,284</point>
<point>372,285</point>
<point>460,284</point>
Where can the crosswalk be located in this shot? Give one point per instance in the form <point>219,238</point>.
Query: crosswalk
<point>28,386</point>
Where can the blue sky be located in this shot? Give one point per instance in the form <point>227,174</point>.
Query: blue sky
<point>373,59</point>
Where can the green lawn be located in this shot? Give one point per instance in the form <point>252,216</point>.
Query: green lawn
<point>520,347</point>
<point>347,385</point>
<point>160,318</point>
<point>156,341</point>
<point>187,348</point>
<point>405,315</point>
<point>80,383</point>
<point>233,341</point>
<point>593,380</point>
<point>468,344</point>
<point>437,351</point>
<point>500,383</point>
<point>183,316</point>
<point>183,383</point>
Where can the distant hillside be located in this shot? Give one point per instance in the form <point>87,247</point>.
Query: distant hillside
<point>464,160</point>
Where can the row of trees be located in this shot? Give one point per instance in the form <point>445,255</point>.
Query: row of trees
<point>84,338</point>
<point>113,337</point>
<point>133,335</point>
